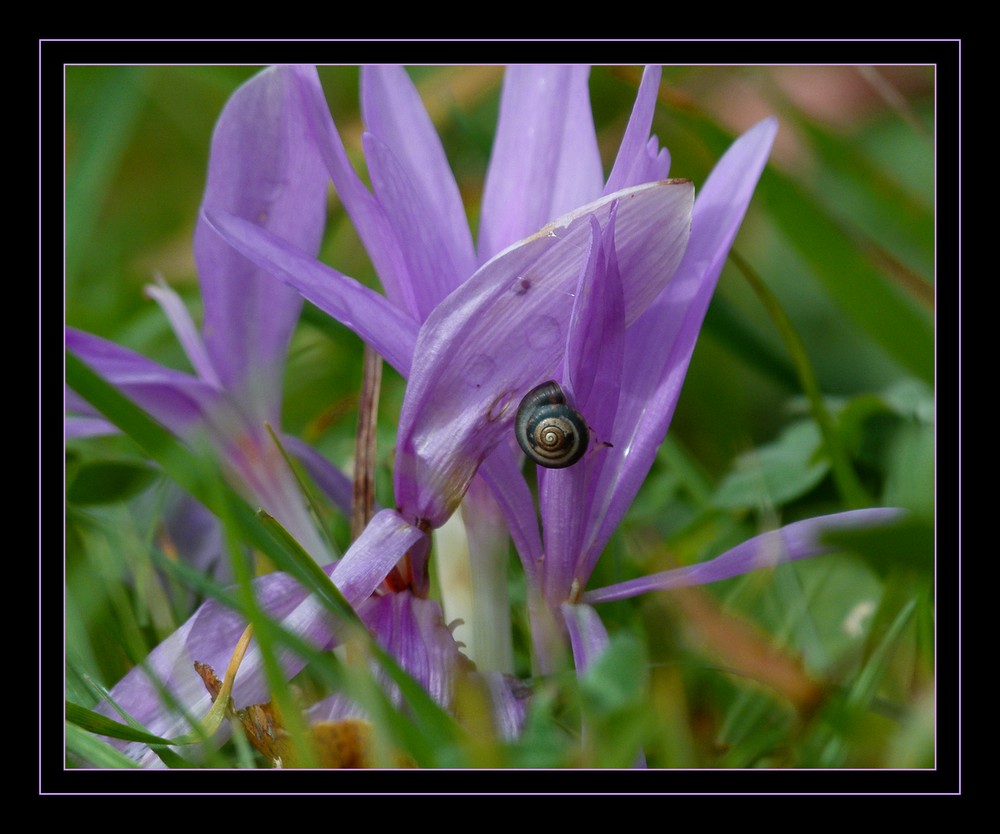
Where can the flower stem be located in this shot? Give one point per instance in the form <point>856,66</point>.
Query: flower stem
<point>363,506</point>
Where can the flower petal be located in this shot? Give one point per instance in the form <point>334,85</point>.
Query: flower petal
<point>394,113</point>
<point>385,541</point>
<point>594,365</point>
<point>434,269</point>
<point>502,472</point>
<point>366,213</point>
<point>658,347</point>
<point>210,636</point>
<point>383,325</point>
<point>183,327</point>
<point>176,399</point>
<point>265,168</point>
<point>337,486</point>
<point>82,419</point>
<point>587,634</point>
<point>545,159</point>
<point>504,331</point>
<point>799,540</point>
<point>640,158</point>
<point>509,698</point>
<point>88,427</point>
<point>413,630</point>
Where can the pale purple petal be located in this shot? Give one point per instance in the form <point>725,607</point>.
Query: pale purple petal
<point>185,330</point>
<point>82,419</point>
<point>640,158</point>
<point>385,541</point>
<point>433,269</point>
<point>76,404</point>
<point>176,399</point>
<point>195,535</point>
<point>264,167</point>
<point>410,629</point>
<point>88,427</point>
<point>587,634</point>
<point>334,483</point>
<point>593,364</point>
<point>383,325</point>
<point>658,347</point>
<point>509,697</point>
<point>502,472</point>
<point>473,363</point>
<point>545,159</point>
<point>367,215</point>
<point>335,707</point>
<point>395,115</point>
<point>505,330</point>
<point>261,472</point>
<point>592,368</point>
<point>799,540</point>
<point>413,631</point>
<point>184,404</point>
<point>209,636</point>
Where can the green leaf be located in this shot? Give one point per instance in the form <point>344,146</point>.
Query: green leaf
<point>849,711</point>
<point>870,195</point>
<point>108,482</point>
<point>776,473</point>
<point>201,476</point>
<point>838,258</point>
<point>96,723</point>
<point>542,742</point>
<point>93,750</point>
<point>910,480</point>
<point>613,700</point>
<point>99,149</point>
<point>615,680</point>
<point>81,723</point>
<point>888,315</point>
<point>907,544</point>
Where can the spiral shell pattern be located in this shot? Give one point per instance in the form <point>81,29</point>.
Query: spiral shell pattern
<point>549,432</point>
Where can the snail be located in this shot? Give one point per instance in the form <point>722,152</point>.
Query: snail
<point>551,433</point>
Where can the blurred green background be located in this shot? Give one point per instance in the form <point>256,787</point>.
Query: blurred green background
<point>827,663</point>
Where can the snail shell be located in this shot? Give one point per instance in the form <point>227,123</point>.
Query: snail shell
<point>551,433</point>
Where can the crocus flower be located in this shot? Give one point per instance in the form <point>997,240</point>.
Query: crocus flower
<point>265,168</point>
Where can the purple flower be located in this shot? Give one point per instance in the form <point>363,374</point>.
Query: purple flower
<point>599,285</point>
<point>263,167</point>
<point>608,298</point>
<point>441,293</point>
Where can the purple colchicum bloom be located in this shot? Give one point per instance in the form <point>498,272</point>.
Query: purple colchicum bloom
<point>608,299</point>
<point>414,228</point>
<point>265,168</point>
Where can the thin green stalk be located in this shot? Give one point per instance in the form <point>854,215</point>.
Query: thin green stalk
<point>277,681</point>
<point>300,479</point>
<point>851,490</point>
